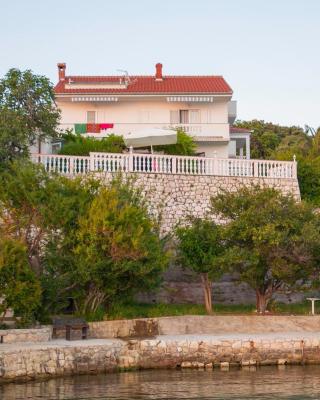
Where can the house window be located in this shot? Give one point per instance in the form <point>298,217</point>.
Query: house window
<point>184,116</point>
<point>91,117</point>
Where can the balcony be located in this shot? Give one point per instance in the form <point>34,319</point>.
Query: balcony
<point>219,130</point>
<point>165,164</point>
<point>232,111</point>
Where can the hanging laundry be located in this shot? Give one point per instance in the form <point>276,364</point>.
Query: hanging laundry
<point>93,128</point>
<point>106,126</point>
<point>80,128</point>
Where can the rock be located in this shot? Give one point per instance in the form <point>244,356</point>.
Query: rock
<point>186,364</point>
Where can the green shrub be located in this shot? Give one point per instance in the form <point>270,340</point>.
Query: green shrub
<point>185,145</point>
<point>81,146</point>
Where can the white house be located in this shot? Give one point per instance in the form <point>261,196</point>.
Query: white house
<point>201,105</point>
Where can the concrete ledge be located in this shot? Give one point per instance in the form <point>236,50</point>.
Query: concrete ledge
<point>198,324</point>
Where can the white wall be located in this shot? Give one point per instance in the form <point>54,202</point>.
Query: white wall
<point>134,111</point>
<point>218,150</point>
<point>130,114</point>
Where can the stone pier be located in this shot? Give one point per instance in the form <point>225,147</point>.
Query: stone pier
<point>60,358</point>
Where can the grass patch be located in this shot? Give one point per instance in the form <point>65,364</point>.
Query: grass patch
<point>303,308</point>
<point>140,310</point>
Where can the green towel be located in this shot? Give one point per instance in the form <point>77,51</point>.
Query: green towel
<point>80,128</point>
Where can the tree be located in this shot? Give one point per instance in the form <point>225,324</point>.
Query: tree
<point>200,248</point>
<point>60,282</point>
<point>20,290</point>
<point>273,242</point>
<point>119,251</point>
<point>27,113</point>
<point>28,207</point>
<point>308,158</point>
<point>267,137</point>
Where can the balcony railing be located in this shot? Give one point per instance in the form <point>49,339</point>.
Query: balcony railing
<point>154,164</point>
<point>194,129</point>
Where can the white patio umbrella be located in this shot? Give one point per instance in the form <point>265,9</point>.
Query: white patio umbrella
<point>150,137</point>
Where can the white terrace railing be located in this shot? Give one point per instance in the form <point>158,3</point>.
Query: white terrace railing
<point>154,163</point>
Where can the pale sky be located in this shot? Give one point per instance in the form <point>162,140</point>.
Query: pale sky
<point>267,50</point>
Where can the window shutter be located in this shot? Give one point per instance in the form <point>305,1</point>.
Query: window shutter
<point>194,116</point>
<point>174,117</point>
<point>91,117</point>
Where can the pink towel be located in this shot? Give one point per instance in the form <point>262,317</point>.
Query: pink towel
<point>106,126</point>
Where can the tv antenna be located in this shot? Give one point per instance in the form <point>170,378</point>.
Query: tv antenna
<point>126,78</point>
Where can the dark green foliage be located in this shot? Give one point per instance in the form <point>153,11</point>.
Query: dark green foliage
<point>119,251</point>
<point>28,206</point>
<point>309,179</point>
<point>200,248</point>
<point>267,137</point>
<point>20,289</point>
<point>59,221</point>
<point>270,141</point>
<point>272,241</point>
<point>27,113</point>
<point>82,146</point>
<point>60,282</point>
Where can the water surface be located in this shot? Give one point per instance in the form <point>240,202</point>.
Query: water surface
<point>295,383</point>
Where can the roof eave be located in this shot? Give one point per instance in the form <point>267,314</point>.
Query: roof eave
<point>163,94</point>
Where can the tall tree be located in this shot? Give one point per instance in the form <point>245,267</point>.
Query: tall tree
<point>42,211</point>
<point>200,248</point>
<point>28,207</point>
<point>28,113</point>
<point>119,250</point>
<point>273,242</point>
<point>20,289</point>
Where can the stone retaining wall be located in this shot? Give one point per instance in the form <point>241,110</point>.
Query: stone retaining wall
<point>96,356</point>
<point>171,198</point>
<point>175,197</point>
<point>42,334</point>
<point>202,324</point>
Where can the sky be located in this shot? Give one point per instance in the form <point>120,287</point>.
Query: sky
<point>267,50</point>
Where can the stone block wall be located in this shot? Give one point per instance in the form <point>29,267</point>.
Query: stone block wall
<point>203,324</point>
<point>43,334</point>
<point>175,197</point>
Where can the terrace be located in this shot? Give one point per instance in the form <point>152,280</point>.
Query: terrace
<point>165,164</point>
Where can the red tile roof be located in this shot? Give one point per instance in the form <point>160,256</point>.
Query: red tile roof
<point>148,84</point>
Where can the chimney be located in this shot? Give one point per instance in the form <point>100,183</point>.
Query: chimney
<point>62,71</point>
<point>159,72</point>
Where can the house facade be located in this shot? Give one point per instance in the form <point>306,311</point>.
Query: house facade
<point>201,105</point>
